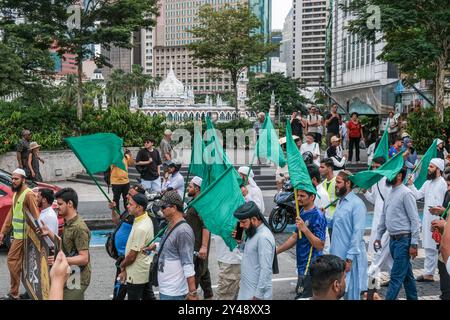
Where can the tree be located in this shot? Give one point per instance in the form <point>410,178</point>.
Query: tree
<point>226,41</point>
<point>416,33</point>
<point>104,22</point>
<point>286,90</point>
<point>69,91</point>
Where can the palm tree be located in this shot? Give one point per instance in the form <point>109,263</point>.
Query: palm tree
<point>69,90</point>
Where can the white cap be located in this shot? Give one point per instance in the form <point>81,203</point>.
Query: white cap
<point>245,170</point>
<point>439,141</point>
<point>20,171</point>
<point>167,132</point>
<point>439,163</point>
<point>197,181</point>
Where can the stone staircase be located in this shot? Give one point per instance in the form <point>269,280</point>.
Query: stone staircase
<point>264,175</point>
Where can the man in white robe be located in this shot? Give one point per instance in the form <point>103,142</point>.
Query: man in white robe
<point>254,192</point>
<point>433,191</point>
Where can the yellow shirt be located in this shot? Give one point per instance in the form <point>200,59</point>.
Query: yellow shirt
<point>119,176</point>
<point>141,234</point>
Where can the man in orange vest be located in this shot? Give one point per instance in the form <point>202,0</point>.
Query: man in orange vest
<point>24,200</point>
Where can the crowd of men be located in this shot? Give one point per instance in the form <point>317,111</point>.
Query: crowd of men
<point>331,255</point>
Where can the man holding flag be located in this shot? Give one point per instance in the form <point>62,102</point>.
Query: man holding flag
<point>433,191</point>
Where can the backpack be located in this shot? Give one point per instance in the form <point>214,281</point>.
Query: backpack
<point>110,244</point>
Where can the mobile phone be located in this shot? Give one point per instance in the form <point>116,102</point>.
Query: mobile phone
<point>239,231</point>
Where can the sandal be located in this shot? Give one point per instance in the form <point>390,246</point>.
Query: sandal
<point>423,279</point>
<point>9,297</point>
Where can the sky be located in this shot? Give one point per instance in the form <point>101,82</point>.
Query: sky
<point>280,9</point>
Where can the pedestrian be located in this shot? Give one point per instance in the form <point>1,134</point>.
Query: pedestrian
<point>445,247</point>
<point>75,243</point>
<point>257,127</point>
<point>23,149</point>
<point>254,192</point>
<point>312,225</point>
<point>24,200</point>
<point>298,125</point>
<point>48,216</point>
<point>355,135</point>
<point>347,238</point>
<point>441,152</point>
<point>396,147</point>
<point>311,146</point>
<point>335,153</point>
<point>229,276</point>
<point>123,224</point>
<point>314,121</point>
<point>328,278</point>
<point>411,160</point>
<point>400,219</point>
<point>202,242</point>
<point>439,224</point>
<point>34,172</point>
<point>376,196</point>
<point>166,146</point>
<point>135,267</point>
<point>332,121</point>
<point>322,199</point>
<point>433,192</point>
<point>329,184</point>
<point>120,181</point>
<point>258,258</point>
<point>148,163</point>
<point>175,180</point>
<point>176,272</point>
<point>392,128</point>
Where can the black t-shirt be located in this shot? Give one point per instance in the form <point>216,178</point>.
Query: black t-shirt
<point>297,129</point>
<point>333,126</point>
<point>150,171</point>
<point>196,223</point>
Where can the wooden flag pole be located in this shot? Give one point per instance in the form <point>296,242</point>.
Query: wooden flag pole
<point>297,209</point>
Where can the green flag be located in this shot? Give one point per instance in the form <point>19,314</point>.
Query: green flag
<point>197,167</point>
<point>268,145</point>
<point>382,149</point>
<point>298,172</point>
<point>424,163</point>
<point>366,179</point>
<point>215,158</point>
<point>216,205</point>
<point>98,152</point>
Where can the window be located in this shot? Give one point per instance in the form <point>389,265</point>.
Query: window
<point>363,55</point>
<point>367,52</point>
<point>344,56</point>
<point>357,52</point>
<point>373,52</point>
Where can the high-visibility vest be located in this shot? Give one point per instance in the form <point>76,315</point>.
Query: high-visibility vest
<point>18,221</point>
<point>331,190</point>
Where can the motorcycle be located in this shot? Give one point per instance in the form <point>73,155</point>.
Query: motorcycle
<point>284,212</point>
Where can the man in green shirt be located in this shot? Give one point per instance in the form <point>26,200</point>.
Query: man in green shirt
<point>75,244</point>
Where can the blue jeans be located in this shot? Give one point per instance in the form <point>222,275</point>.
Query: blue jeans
<point>153,185</point>
<point>401,273</point>
<point>162,296</point>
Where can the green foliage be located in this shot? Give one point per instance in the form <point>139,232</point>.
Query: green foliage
<point>425,126</point>
<point>286,90</point>
<point>227,41</point>
<point>50,125</point>
<point>416,33</point>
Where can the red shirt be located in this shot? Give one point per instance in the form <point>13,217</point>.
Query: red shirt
<point>354,129</point>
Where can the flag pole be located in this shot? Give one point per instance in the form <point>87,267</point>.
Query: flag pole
<point>103,191</point>
<point>297,209</point>
<point>417,167</point>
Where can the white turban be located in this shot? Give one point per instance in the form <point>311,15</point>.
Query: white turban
<point>197,181</point>
<point>439,141</point>
<point>245,170</point>
<point>439,163</point>
<point>20,171</point>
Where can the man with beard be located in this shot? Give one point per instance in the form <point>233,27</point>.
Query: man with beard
<point>378,193</point>
<point>202,241</point>
<point>24,200</point>
<point>313,225</point>
<point>401,220</point>
<point>347,239</point>
<point>48,216</point>
<point>259,254</point>
<point>328,278</point>
<point>433,191</point>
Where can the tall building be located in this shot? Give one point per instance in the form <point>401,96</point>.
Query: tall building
<point>263,10</point>
<point>286,55</point>
<point>171,38</point>
<point>308,40</point>
<point>359,81</point>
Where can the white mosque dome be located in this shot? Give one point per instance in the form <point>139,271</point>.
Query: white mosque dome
<point>170,86</point>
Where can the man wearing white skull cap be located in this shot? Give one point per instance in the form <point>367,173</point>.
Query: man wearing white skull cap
<point>433,191</point>
<point>254,192</point>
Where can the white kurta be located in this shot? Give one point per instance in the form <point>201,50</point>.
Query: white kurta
<point>434,193</point>
<point>255,195</point>
<point>374,197</point>
<point>322,198</point>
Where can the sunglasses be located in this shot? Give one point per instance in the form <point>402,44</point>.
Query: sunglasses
<point>165,206</point>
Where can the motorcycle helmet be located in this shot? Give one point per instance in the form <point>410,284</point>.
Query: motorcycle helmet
<point>308,157</point>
